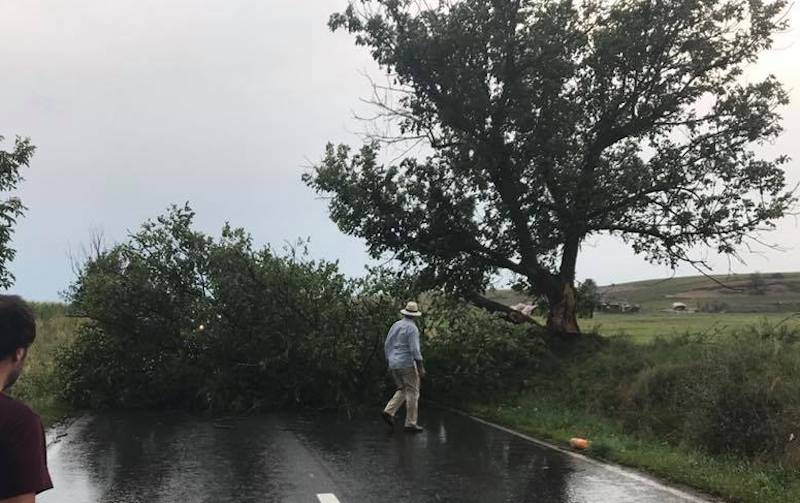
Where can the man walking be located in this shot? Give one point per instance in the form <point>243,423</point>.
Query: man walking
<point>405,364</point>
<point>23,454</point>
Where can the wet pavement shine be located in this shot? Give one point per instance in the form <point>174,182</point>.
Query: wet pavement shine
<point>174,457</point>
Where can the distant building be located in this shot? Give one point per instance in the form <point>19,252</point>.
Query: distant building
<point>618,307</point>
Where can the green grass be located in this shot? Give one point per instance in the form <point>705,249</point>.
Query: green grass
<point>645,327</point>
<point>733,479</point>
<point>36,385</point>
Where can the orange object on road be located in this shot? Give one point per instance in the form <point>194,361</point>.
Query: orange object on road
<point>578,443</point>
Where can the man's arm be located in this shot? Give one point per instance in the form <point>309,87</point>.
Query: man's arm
<point>22,498</point>
<point>387,349</point>
<point>415,348</point>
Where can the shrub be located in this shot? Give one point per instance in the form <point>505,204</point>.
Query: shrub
<point>471,354</point>
<point>736,394</point>
<point>180,319</point>
<point>177,318</point>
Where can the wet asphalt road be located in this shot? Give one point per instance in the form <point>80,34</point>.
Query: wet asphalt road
<point>171,457</point>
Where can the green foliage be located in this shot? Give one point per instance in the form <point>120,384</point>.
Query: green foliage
<point>552,122</point>
<point>181,319</point>
<point>719,412</point>
<point>178,318</point>
<point>471,354</point>
<point>734,395</point>
<point>39,383</point>
<point>11,208</point>
<point>588,298</point>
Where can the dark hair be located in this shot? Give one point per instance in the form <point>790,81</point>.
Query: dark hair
<point>17,325</point>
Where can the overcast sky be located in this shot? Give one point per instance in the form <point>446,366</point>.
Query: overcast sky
<point>134,105</point>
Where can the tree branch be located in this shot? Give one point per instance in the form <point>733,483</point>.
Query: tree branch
<point>497,307</point>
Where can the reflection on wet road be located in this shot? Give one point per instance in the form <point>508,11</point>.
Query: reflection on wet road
<point>172,457</point>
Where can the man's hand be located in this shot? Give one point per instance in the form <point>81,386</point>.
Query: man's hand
<point>421,370</point>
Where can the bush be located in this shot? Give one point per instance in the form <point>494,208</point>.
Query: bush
<point>180,319</point>
<point>472,354</point>
<point>735,395</point>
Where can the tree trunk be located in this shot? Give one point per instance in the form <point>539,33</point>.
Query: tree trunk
<point>562,318</point>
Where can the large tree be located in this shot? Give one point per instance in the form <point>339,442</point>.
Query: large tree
<point>11,208</point>
<point>548,122</point>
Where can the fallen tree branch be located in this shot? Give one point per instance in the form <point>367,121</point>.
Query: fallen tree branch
<point>496,307</point>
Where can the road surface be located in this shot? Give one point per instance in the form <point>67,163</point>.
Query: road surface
<point>175,457</point>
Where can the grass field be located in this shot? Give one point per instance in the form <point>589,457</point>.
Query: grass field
<point>646,327</point>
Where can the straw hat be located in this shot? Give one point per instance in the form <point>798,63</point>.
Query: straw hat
<point>412,309</point>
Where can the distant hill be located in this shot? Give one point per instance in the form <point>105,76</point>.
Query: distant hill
<point>739,293</point>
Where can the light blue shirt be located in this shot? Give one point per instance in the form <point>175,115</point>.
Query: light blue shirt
<point>402,345</point>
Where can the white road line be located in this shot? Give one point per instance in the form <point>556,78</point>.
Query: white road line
<point>327,498</point>
<point>610,467</point>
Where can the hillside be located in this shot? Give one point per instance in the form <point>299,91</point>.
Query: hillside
<point>740,293</point>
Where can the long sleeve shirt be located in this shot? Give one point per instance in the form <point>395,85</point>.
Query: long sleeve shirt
<point>402,345</point>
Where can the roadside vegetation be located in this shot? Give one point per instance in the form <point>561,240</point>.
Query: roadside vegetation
<point>718,412</point>
<point>176,318</point>
<point>39,385</point>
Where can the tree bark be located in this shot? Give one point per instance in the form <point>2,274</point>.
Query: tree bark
<point>562,318</point>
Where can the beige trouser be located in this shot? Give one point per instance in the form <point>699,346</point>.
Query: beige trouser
<point>407,381</point>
